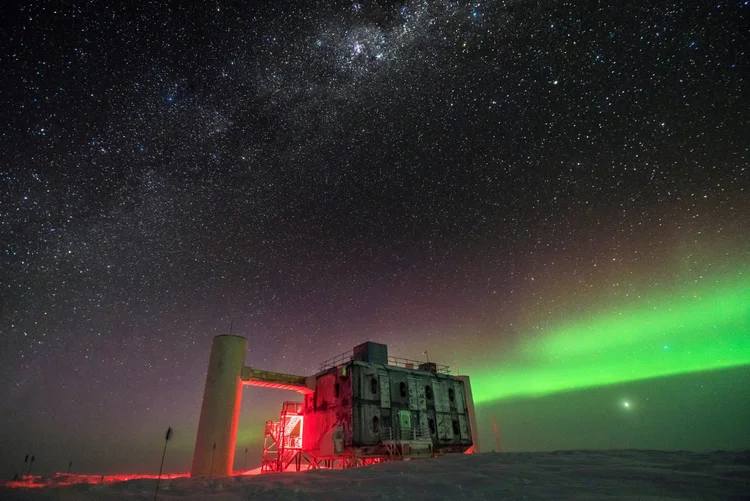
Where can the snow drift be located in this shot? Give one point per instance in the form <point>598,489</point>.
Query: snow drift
<point>583,475</point>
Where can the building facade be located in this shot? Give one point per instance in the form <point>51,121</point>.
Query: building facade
<point>367,404</point>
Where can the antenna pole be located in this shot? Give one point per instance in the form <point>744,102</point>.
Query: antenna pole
<point>497,434</point>
<point>164,453</point>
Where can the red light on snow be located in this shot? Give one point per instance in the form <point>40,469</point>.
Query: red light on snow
<point>62,479</point>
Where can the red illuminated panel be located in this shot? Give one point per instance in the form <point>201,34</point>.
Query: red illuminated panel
<point>280,386</point>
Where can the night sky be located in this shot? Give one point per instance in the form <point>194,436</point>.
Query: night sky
<point>552,197</point>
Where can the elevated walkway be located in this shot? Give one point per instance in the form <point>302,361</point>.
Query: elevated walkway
<point>268,379</point>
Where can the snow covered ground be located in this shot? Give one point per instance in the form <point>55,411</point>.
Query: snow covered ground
<point>582,475</point>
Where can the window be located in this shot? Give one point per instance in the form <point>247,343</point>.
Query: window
<point>374,385</point>
<point>431,423</point>
<point>337,390</point>
<point>452,394</point>
<point>402,389</point>
<point>428,392</point>
<point>456,429</point>
<point>376,424</point>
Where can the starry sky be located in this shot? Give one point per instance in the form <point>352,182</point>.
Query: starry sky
<point>550,196</point>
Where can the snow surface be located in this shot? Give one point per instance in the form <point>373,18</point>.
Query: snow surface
<point>582,475</point>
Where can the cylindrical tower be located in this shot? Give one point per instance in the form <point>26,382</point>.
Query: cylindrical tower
<point>220,412</point>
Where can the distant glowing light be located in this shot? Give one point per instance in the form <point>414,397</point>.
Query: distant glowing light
<point>626,404</point>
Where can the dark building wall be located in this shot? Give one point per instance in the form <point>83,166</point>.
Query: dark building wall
<point>371,406</point>
<point>383,394</point>
<point>360,402</point>
<point>328,412</point>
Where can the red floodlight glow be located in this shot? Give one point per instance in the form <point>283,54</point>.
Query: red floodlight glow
<point>278,386</point>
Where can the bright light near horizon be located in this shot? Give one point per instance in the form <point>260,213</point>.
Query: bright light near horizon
<point>626,404</point>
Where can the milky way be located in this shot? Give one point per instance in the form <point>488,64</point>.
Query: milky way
<point>462,178</point>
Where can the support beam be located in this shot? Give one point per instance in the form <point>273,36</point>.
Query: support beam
<point>268,379</point>
<point>220,412</point>
<point>474,449</point>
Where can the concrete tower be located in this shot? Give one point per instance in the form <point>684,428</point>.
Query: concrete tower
<point>220,412</point>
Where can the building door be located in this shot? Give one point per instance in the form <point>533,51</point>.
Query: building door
<point>404,424</point>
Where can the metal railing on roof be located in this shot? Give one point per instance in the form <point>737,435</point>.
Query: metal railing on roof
<point>337,360</point>
<point>408,363</point>
<point>405,363</point>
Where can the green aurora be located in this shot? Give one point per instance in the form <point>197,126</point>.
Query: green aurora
<point>697,328</point>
